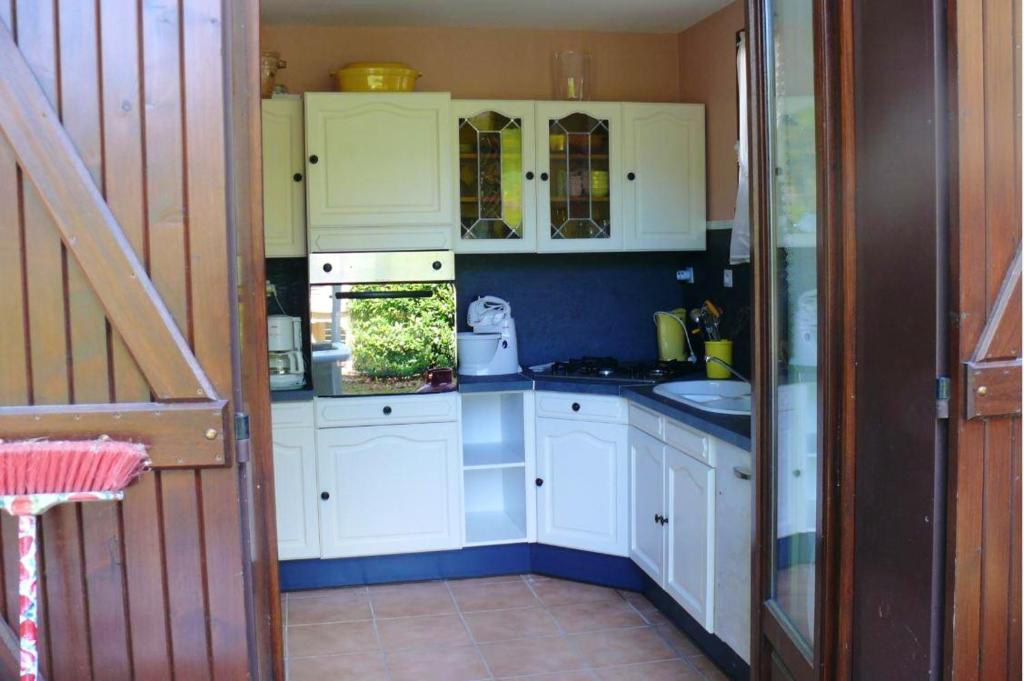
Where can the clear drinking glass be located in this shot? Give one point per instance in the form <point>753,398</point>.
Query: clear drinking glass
<point>572,75</point>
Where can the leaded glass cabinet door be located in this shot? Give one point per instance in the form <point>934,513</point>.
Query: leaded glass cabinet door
<point>578,196</point>
<point>495,176</point>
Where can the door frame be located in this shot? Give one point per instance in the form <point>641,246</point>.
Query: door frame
<point>771,635</point>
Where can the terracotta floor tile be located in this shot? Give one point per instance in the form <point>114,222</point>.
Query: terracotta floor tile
<point>434,631</point>
<point>360,667</point>
<point>678,640</point>
<point>622,646</point>
<point>597,615</point>
<point>638,601</point>
<point>667,670</point>
<point>496,579</point>
<point>411,587</point>
<point>559,592</point>
<point>339,605</point>
<point>331,639</point>
<point>706,667</point>
<point>531,656</point>
<point>317,593</point>
<point>582,675</point>
<point>503,625</point>
<point>438,664</point>
<point>501,596</point>
<point>412,600</point>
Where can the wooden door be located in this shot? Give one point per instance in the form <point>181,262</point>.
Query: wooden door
<point>379,171</point>
<point>297,494</point>
<point>389,489</point>
<point>663,186</point>
<point>983,557</point>
<point>579,161</point>
<point>284,185</point>
<point>647,503</point>
<point>118,309</point>
<point>495,180</point>
<point>582,468</point>
<point>690,550</point>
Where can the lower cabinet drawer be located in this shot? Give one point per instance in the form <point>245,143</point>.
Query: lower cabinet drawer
<point>291,414</point>
<point>389,489</point>
<point>581,406</point>
<point>690,441</point>
<point>647,421</point>
<point>333,412</point>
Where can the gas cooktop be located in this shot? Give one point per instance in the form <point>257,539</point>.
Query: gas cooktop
<point>611,369</point>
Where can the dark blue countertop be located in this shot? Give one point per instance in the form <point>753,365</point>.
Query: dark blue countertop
<point>733,429</point>
<point>292,395</point>
<point>483,384</point>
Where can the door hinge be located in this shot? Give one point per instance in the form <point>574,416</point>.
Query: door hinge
<point>942,390</point>
<point>242,436</point>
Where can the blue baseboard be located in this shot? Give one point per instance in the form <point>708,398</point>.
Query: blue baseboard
<point>584,566</point>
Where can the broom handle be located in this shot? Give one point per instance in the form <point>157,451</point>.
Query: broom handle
<point>27,580</point>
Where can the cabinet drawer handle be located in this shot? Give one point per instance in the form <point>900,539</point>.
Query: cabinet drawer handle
<point>630,176</point>
<point>539,482</point>
<point>743,473</point>
<point>297,177</point>
<point>575,406</point>
<point>387,411</point>
<point>325,495</point>
<point>314,159</point>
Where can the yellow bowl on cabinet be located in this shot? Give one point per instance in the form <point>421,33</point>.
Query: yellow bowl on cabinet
<point>375,76</point>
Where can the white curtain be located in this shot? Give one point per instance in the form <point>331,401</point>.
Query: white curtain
<point>739,248</point>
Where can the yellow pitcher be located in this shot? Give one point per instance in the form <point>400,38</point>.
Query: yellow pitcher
<point>671,334</point>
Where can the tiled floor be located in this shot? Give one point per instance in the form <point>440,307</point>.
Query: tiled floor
<point>516,627</point>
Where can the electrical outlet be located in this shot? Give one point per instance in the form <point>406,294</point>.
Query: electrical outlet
<point>685,274</point>
<point>727,278</point>
<point>271,290</point>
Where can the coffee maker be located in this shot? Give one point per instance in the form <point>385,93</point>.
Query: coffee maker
<point>284,343</point>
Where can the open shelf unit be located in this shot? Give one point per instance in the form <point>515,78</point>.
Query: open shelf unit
<point>497,459</point>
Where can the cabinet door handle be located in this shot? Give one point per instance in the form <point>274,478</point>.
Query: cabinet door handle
<point>741,472</point>
<point>543,177</point>
<point>314,159</point>
<point>630,176</point>
<point>657,519</point>
<point>575,406</point>
<point>664,520</point>
<point>529,174</point>
<point>325,495</point>
<point>539,482</point>
<point>297,177</point>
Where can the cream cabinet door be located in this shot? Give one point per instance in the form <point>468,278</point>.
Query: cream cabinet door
<point>495,178</point>
<point>579,166</point>
<point>582,472</point>
<point>284,186</point>
<point>647,503</point>
<point>379,171</point>
<point>690,565</point>
<point>295,492</point>
<point>664,177</point>
<point>389,489</point>
<point>733,520</point>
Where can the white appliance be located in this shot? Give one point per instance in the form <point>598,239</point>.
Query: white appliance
<point>490,349</point>
<point>284,343</point>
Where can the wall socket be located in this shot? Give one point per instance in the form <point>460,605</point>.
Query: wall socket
<point>727,278</point>
<point>685,274</point>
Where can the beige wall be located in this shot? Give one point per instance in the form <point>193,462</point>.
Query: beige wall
<point>481,63</point>
<point>707,75</point>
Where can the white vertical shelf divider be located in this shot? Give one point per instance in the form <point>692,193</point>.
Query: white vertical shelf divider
<point>498,468</point>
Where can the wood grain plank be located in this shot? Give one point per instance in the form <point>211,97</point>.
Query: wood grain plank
<point>996,559</point>
<point>92,234</point>
<point>209,261</point>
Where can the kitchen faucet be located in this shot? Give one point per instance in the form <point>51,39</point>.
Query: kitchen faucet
<point>722,362</point>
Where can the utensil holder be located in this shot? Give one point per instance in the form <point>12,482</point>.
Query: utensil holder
<point>722,349</point>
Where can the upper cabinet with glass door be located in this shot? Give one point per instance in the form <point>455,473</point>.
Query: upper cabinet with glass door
<point>494,176</point>
<point>579,167</point>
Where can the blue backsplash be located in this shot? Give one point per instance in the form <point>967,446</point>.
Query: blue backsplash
<point>568,305</point>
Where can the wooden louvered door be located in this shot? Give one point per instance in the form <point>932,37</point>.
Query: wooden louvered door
<point>116,317</point>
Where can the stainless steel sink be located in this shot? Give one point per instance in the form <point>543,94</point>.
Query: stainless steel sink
<point>716,397</point>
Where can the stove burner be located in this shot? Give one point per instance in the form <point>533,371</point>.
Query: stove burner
<point>605,371</point>
<point>609,368</point>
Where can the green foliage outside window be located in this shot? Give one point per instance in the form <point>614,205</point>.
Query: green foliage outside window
<point>403,337</point>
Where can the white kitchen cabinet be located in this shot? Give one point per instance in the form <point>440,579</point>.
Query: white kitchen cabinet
<point>582,474</point>
<point>494,176</point>
<point>284,187</point>
<point>690,551</point>
<point>647,496</point>
<point>295,485</point>
<point>389,489</point>
<point>579,165</point>
<point>379,171</point>
<point>733,522</point>
<point>664,190</point>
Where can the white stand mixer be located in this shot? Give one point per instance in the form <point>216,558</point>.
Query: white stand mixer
<point>490,349</point>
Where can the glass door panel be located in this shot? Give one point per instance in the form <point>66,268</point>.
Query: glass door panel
<point>789,61</point>
<point>580,204</point>
<point>491,176</point>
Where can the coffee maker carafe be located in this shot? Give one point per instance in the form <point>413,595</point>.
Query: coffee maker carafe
<point>284,343</point>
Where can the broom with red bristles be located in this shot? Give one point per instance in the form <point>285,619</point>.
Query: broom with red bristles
<point>37,475</point>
